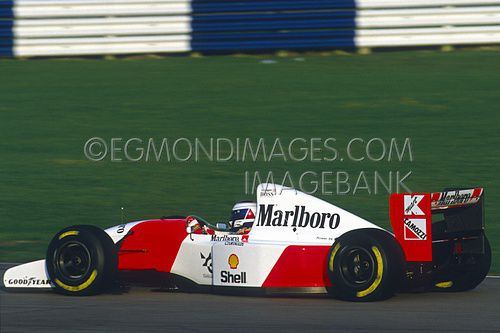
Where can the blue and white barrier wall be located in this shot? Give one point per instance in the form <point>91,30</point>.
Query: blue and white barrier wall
<point>31,28</point>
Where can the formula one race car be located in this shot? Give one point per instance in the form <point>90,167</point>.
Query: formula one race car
<point>287,241</point>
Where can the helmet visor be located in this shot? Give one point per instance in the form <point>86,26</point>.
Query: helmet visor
<point>239,214</point>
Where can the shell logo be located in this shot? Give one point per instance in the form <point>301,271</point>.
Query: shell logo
<point>233,261</point>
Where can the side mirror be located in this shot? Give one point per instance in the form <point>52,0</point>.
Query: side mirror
<point>221,226</point>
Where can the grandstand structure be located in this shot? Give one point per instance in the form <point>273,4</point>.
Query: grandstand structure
<point>31,28</point>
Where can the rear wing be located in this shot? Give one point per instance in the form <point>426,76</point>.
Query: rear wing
<point>411,219</point>
<point>454,199</point>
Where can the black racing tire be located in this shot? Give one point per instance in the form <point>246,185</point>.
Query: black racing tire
<point>365,265</point>
<point>468,280</point>
<point>82,260</point>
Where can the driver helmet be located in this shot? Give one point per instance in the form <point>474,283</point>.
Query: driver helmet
<point>243,214</point>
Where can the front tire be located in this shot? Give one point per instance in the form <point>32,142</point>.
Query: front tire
<point>365,265</point>
<point>82,260</point>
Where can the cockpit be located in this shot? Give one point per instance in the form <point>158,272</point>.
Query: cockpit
<point>240,222</point>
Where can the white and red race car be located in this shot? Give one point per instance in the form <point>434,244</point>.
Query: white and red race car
<point>297,243</point>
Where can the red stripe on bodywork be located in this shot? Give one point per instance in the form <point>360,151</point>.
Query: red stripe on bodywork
<point>300,266</point>
<point>152,244</point>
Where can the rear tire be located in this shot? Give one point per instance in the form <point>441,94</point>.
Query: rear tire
<point>365,265</point>
<point>468,280</point>
<point>82,260</point>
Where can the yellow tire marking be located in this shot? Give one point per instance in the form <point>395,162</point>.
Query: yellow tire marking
<point>79,287</point>
<point>445,284</point>
<point>332,256</point>
<point>378,278</point>
<point>69,233</point>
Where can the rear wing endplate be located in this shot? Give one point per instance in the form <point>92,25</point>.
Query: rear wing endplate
<point>411,218</point>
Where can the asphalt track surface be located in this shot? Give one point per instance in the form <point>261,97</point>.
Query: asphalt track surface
<point>146,310</point>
